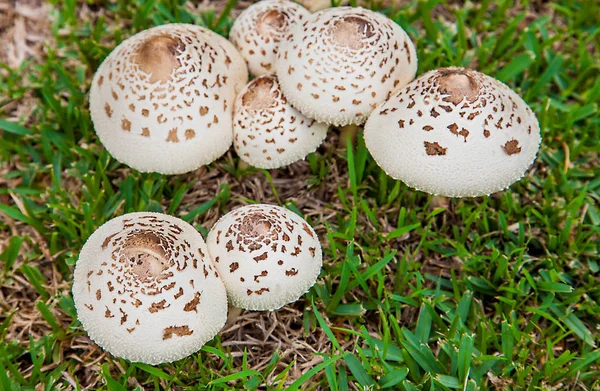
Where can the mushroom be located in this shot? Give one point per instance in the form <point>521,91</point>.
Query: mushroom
<point>267,256</point>
<point>146,290</point>
<point>454,132</point>
<point>340,63</point>
<point>163,99</point>
<point>256,33</point>
<point>267,131</point>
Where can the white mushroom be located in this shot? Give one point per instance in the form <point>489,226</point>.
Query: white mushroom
<point>267,131</point>
<point>454,132</point>
<point>163,99</point>
<point>256,33</point>
<point>339,64</point>
<point>266,255</point>
<point>145,288</point>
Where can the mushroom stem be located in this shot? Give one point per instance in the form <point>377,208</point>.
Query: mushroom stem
<point>243,165</point>
<point>348,131</point>
<point>233,314</point>
<point>440,202</point>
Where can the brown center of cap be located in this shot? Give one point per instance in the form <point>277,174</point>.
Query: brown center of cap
<point>157,56</point>
<point>351,31</point>
<point>260,94</point>
<point>255,225</point>
<point>271,21</point>
<point>146,256</point>
<point>458,84</point>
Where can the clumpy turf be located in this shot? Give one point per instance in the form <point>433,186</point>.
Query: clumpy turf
<point>417,292</point>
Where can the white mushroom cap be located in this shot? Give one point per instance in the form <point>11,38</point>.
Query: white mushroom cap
<point>454,132</point>
<point>146,290</point>
<point>267,131</point>
<point>163,99</point>
<point>256,33</point>
<point>339,64</point>
<point>266,255</point>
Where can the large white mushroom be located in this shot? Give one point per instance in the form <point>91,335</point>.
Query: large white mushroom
<point>454,132</point>
<point>340,63</point>
<point>266,255</point>
<point>163,99</point>
<point>267,131</point>
<point>257,31</point>
<point>145,288</point>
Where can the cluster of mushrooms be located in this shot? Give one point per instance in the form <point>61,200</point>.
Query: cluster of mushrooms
<point>148,288</point>
<point>175,97</point>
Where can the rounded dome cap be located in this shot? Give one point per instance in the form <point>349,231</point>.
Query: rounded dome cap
<point>454,132</point>
<point>266,255</point>
<point>162,101</point>
<point>256,33</point>
<point>146,290</point>
<point>267,131</point>
<point>340,63</point>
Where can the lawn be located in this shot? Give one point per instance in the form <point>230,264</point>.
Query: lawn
<point>417,292</point>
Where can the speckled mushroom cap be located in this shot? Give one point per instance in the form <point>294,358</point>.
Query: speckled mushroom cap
<point>267,256</point>
<point>454,132</point>
<point>267,131</point>
<point>163,99</point>
<point>256,33</point>
<point>340,63</point>
<point>146,290</point>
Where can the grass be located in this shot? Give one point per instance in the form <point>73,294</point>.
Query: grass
<point>492,293</point>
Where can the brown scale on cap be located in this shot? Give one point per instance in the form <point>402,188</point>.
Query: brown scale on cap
<point>458,84</point>
<point>157,56</point>
<point>260,94</point>
<point>351,32</point>
<point>512,147</point>
<point>146,251</point>
<point>193,304</point>
<point>272,22</point>
<point>434,149</point>
<point>179,331</point>
<point>255,225</point>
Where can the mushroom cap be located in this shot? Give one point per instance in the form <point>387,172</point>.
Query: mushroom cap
<point>340,63</point>
<point>454,132</point>
<point>146,290</point>
<point>163,99</point>
<point>267,131</point>
<point>256,33</point>
<point>267,256</point>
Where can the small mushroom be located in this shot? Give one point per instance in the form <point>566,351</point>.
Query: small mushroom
<point>267,131</point>
<point>256,33</point>
<point>340,63</point>
<point>454,132</point>
<point>162,100</point>
<point>266,255</point>
<point>146,290</point>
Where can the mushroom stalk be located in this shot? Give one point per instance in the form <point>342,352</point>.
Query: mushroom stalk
<point>348,132</point>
